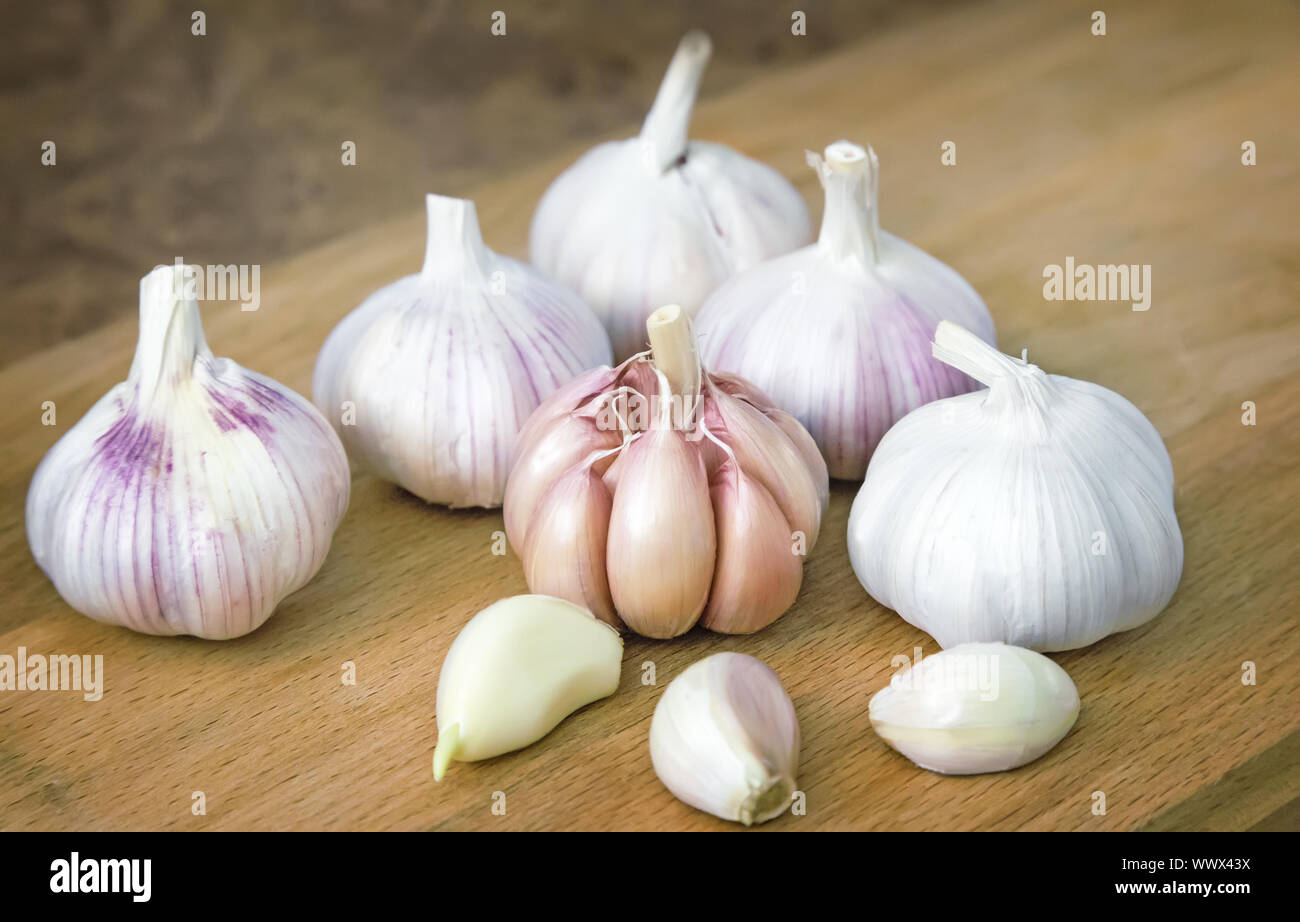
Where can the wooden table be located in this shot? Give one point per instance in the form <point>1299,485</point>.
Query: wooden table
<point>1117,149</point>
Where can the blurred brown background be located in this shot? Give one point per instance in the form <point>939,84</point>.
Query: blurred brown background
<point>225,148</point>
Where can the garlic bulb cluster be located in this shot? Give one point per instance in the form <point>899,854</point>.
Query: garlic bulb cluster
<point>1038,512</point>
<point>658,495</point>
<point>725,739</point>
<point>658,219</point>
<point>429,380</point>
<point>838,333</point>
<point>518,668</point>
<point>194,496</point>
<point>976,707</point>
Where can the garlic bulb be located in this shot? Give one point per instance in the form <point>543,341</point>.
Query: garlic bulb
<point>838,333</point>
<point>429,380</point>
<point>976,707</point>
<point>518,668</point>
<point>192,497</point>
<point>659,219</point>
<point>725,739</point>
<point>1039,512</point>
<point>658,495</point>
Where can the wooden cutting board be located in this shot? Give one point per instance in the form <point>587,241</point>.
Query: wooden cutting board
<point>1117,149</point>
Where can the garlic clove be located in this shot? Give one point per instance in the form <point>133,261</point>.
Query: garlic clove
<point>807,448</point>
<point>658,219</point>
<point>758,572</point>
<point>518,668</point>
<point>194,496</point>
<point>565,551</point>
<point>429,381</point>
<point>976,707</point>
<point>552,449</point>
<point>662,544</point>
<point>1037,512</point>
<point>725,739</point>
<point>770,457</point>
<point>837,333</point>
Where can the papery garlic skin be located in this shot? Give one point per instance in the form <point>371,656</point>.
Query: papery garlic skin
<point>193,497</point>
<point>1038,512</point>
<point>660,497</point>
<point>655,219</point>
<point>975,708</point>
<point>838,333</point>
<point>429,381</point>
<point>725,739</point>
<point>518,668</point>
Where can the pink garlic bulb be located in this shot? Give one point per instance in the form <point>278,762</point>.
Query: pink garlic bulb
<point>658,496</point>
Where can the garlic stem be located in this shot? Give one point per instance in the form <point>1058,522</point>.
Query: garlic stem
<point>454,245</point>
<point>850,175</point>
<point>672,345</point>
<point>665,126</point>
<point>171,334</point>
<point>1010,381</point>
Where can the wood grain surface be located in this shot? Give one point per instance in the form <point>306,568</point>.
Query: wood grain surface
<point>1117,149</point>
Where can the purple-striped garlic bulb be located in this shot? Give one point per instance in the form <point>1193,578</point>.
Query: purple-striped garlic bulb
<point>661,219</point>
<point>429,381</point>
<point>194,496</point>
<point>657,495</point>
<point>838,333</point>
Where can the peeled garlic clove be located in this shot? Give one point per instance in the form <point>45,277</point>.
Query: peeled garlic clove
<point>758,573</point>
<point>429,381</point>
<point>976,707</point>
<point>659,219</point>
<point>193,497</point>
<point>838,333</point>
<point>518,668</point>
<point>725,739</point>
<point>662,544</point>
<point>565,553</point>
<point>1039,512</point>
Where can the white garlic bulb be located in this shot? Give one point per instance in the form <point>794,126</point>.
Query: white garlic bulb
<point>977,707</point>
<point>518,668</point>
<point>838,333</point>
<point>430,379</point>
<point>725,739</point>
<point>658,219</point>
<point>194,496</point>
<point>1038,512</point>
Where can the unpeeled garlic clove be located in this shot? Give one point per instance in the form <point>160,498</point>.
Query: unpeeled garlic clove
<point>976,707</point>
<point>518,668</point>
<point>662,545</point>
<point>725,739</point>
<point>552,441</point>
<point>194,496</point>
<point>775,462</point>
<point>758,571</point>
<point>565,551</point>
